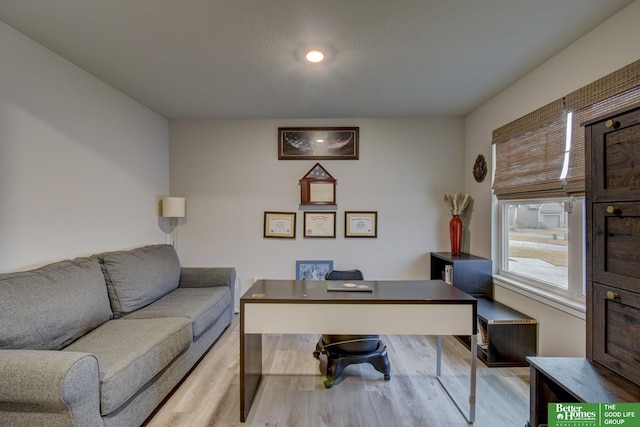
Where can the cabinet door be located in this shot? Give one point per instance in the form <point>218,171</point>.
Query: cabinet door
<point>616,330</point>
<point>616,244</point>
<point>616,157</point>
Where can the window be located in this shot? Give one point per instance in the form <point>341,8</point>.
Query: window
<point>542,238</point>
<point>539,182</point>
<point>542,245</point>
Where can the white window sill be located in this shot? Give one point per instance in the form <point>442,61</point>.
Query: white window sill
<point>558,302</point>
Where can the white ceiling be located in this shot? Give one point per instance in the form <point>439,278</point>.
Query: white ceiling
<point>242,58</point>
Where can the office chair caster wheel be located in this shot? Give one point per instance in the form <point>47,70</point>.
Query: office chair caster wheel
<point>328,383</point>
<point>387,377</point>
<point>316,354</point>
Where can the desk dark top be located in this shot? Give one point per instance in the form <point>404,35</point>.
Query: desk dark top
<point>384,292</point>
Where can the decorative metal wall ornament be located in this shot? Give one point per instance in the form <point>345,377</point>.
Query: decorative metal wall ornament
<point>480,168</point>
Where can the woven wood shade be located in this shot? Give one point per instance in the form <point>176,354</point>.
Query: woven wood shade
<point>529,149</point>
<point>529,166</point>
<point>575,178</point>
<point>538,118</point>
<point>608,86</point>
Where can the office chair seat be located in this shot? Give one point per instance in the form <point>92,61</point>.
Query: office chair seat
<point>344,350</point>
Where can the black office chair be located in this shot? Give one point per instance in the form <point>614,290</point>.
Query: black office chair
<point>344,350</point>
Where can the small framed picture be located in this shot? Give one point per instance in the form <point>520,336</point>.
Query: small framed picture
<point>313,270</point>
<point>361,224</point>
<point>320,224</point>
<point>280,225</point>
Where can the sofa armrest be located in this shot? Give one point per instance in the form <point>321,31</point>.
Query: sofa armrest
<point>193,277</point>
<point>36,384</point>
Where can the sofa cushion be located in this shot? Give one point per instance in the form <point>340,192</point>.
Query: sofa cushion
<point>203,306</point>
<point>138,277</point>
<point>52,306</point>
<point>131,352</point>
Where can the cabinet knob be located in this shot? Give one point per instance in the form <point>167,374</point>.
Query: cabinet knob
<point>612,295</point>
<point>613,210</point>
<point>612,124</point>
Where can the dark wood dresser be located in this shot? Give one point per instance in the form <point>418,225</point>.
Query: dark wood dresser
<point>611,370</point>
<point>613,242</point>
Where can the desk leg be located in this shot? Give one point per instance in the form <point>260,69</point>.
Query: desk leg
<point>250,370</point>
<point>470,415</point>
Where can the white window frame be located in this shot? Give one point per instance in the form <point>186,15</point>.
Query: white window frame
<point>571,300</point>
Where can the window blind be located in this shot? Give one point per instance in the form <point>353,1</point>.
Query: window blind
<point>530,150</point>
<point>529,165</point>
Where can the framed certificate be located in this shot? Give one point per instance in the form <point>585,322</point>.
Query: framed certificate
<point>280,225</point>
<point>322,192</point>
<point>320,224</point>
<point>361,224</point>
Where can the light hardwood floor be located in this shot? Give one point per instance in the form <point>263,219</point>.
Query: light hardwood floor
<point>292,393</point>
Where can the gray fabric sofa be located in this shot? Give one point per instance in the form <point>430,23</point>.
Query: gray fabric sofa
<point>102,340</point>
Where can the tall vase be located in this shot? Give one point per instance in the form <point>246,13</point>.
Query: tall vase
<point>455,232</point>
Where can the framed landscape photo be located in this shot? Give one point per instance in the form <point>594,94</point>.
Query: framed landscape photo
<point>313,270</point>
<point>361,224</point>
<point>320,224</point>
<point>322,143</point>
<point>280,225</point>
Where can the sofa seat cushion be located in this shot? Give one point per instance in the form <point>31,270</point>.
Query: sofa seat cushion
<point>131,352</point>
<point>138,277</point>
<point>203,306</point>
<point>50,307</point>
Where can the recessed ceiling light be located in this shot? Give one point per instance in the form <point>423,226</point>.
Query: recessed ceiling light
<point>314,56</point>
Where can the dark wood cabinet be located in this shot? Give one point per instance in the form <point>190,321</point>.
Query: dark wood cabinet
<point>507,336</point>
<point>611,370</point>
<point>573,379</point>
<point>471,274</point>
<point>613,242</point>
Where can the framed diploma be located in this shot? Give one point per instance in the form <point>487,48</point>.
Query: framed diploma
<point>320,224</point>
<point>322,192</point>
<point>280,225</point>
<point>361,224</point>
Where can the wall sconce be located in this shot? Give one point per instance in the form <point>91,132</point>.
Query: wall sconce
<point>174,208</point>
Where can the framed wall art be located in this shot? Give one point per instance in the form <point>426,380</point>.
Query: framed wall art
<point>313,270</point>
<point>322,143</point>
<point>320,224</point>
<point>280,225</point>
<point>361,224</point>
<point>317,187</point>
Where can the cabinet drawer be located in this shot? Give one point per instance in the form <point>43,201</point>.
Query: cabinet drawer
<point>616,244</point>
<point>616,330</point>
<point>615,154</point>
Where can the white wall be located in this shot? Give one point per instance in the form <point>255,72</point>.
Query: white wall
<point>230,174</point>
<point>608,47</point>
<point>81,165</point>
